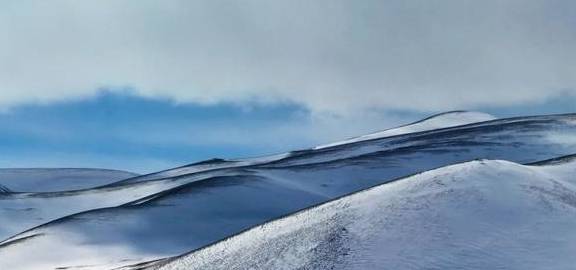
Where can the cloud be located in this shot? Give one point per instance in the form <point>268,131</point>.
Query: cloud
<point>336,56</point>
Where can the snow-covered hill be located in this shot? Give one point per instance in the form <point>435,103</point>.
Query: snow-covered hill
<point>443,120</point>
<point>476,215</point>
<point>21,211</point>
<point>49,180</point>
<point>170,212</point>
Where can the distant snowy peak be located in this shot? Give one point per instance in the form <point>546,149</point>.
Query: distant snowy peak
<point>443,120</point>
<point>57,179</point>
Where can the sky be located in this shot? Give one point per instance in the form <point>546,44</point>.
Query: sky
<point>148,85</point>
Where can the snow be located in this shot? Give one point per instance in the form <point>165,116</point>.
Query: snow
<point>443,120</point>
<point>476,215</point>
<point>171,212</point>
<point>22,211</point>
<point>204,166</point>
<point>49,180</point>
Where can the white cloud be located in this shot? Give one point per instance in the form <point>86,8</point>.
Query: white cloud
<point>334,56</point>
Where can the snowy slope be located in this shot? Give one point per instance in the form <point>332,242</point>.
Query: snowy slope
<point>25,211</point>
<point>476,215</point>
<point>443,120</point>
<point>192,210</point>
<point>48,180</point>
<point>203,166</point>
<point>22,211</point>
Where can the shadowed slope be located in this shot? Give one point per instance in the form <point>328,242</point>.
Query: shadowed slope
<point>58,179</point>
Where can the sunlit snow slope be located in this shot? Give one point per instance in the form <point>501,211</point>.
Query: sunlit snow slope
<point>477,215</point>
<point>443,120</point>
<point>174,211</point>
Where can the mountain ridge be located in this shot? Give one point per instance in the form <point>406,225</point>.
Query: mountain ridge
<point>258,190</point>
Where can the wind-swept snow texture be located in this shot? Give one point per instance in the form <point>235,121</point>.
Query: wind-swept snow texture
<point>171,212</point>
<point>50,180</point>
<point>443,120</point>
<point>476,215</point>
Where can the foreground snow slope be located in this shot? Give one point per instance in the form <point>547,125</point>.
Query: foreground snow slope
<point>192,210</point>
<point>47,180</point>
<point>476,215</point>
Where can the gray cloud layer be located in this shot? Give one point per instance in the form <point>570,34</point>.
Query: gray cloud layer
<point>336,56</point>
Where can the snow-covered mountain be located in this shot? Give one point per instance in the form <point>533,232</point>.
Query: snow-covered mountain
<point>21,211</point>
<point>27,210</point>
<point>50,180</point>
<point>443,120</point>
<point>438,121</point>
<point>476,215</point>
<point>168,213</point>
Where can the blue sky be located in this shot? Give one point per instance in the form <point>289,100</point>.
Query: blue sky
<point>190,80</point>
<point>124,131</point>
<point>121,130</point>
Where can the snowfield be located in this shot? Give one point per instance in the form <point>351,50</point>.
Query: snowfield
<point>152,217</point>
<point>21,211</point>
<point>443,120</point>
<point>476,215</point>
<point>52,180</point>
